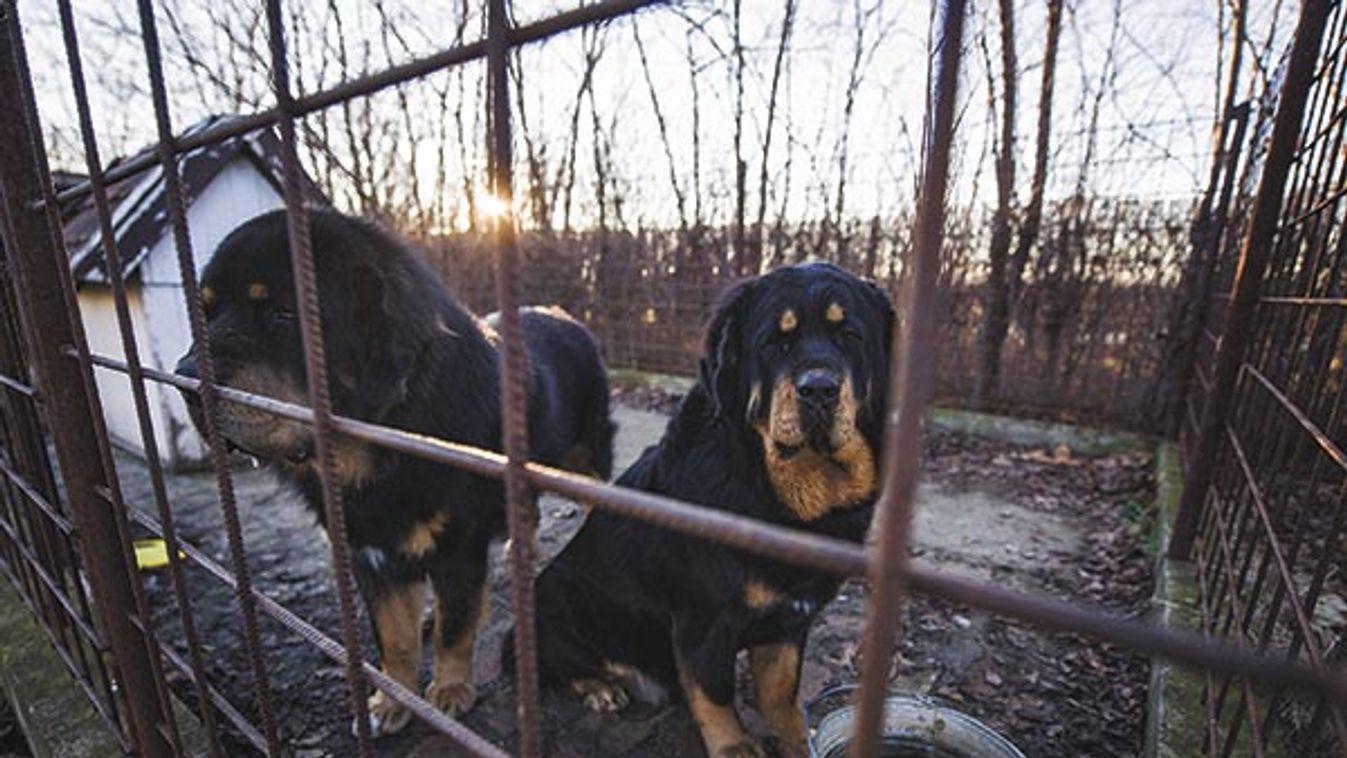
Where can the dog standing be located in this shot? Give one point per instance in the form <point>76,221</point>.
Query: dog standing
<point>401,352</point>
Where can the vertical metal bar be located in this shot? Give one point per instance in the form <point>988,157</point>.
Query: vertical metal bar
<point>910,389</point>
<point>521,510</point>
<point>182,241</point>
<point>34,463</point>
<point>1211,247</point>
<point>1258,240</point>
<point>39,257</point>
<point>131,350</point>
<point>311,331</point>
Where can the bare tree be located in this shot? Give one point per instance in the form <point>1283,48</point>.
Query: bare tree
<point>660,121</point>
<point>778,66</point>
<point>861,52</point>
<point>995,324</point>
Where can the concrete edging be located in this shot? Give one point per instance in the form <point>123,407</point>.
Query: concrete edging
<point>1174,710</point>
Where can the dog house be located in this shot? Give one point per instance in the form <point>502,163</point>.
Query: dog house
<point>224,185</point>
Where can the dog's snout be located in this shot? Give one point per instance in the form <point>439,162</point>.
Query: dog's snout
<point>818,386</point>
<point>186,367</point>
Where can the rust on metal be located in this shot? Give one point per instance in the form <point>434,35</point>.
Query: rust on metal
<point>909,393</point>
<point>315,363</point>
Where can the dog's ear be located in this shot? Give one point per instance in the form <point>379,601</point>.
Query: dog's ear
<point>383,349</point>
<point>879,352</point>
<point>879,297</point>
<point>720,365</point>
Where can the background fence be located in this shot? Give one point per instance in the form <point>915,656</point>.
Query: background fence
<point>1086,340</point>
<point>1091,324</point>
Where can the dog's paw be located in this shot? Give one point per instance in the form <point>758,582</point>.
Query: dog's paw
<point>453,698</point>
<point>386,715</point>
<point>601,696</point>
<point>745,749</point>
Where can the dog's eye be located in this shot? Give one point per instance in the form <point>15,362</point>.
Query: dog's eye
<point>781,342</point>
<point>283,315</point>
<point>848,332</point>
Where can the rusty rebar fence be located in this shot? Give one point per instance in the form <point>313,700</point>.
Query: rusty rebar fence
<point>1263,502</point>
<point>68,550</point>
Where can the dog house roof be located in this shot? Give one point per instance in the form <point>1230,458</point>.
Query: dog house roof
<point>138,208</point>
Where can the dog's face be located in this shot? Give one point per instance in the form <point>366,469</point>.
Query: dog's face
<point>800,357</point>
<point>252,328</point>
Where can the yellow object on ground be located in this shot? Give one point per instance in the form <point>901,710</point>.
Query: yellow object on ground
<point>152,554</point>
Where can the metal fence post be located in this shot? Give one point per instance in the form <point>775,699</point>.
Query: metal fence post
<point>38,263</point>
<point>1252,265</point>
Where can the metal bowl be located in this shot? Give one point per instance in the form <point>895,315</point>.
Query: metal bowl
<point>914,726</point>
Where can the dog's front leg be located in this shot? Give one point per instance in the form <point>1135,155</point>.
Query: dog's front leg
<point>395,610</point>
<point>776,684</point>
<point>704,651</point>
<point>461,606</point>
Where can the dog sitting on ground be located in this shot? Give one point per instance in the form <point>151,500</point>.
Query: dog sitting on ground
<point>784,426</point>
<point>401,352</point>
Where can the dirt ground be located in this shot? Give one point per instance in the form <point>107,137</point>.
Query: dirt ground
<point>1031,519</point>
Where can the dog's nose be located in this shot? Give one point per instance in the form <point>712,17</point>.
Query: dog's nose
<point>818,386</point>
<point>186,367</point>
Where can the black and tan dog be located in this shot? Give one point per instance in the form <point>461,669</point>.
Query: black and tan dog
<point>400,352</point>
<point>784,426</point>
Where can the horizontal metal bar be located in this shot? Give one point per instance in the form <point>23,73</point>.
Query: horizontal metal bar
<point>1274,546</point>
<point>77,672</point>
<point>1325,442</point>
<point>221,704</point>
<point>1180,647</point>
<point>1311,302</point>
<point>23,388</point>
<point>54,588</point>
<point>825,554</point>
<point>330,647</point>
<point>36,498</point>
<point>368,85</point>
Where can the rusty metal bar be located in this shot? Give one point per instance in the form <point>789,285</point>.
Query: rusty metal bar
<point>833,556</point>
<point>1223,544</point>
<point>130,348</point>
<point>53,587</point>
<point>41,267</point>
<point>592,13</point>
<point>101,702</point>
<point>335,651</point>
<point>1258,240</point>
<point>182,242</point>
<point>37,499</point>
<point>909,392</point>
<point>217,701</point>
<point>315,364</point>
<point>1285,575</point>
<point>521,508</point>
<point>1209,247</point>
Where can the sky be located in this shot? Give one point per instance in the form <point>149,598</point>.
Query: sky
<point>1155,95</point>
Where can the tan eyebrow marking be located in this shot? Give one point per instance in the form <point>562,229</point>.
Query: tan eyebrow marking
<point>207,296</point>
<point>257,291</point>
<point>789,321</point>
<point>835,314</point>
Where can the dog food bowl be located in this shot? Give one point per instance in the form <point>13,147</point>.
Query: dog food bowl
<point>914,727</point>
